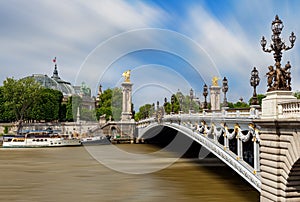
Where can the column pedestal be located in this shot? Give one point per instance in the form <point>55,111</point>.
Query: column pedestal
<point>215,98</point>
<point>127,100</point>
<point>270,103</point>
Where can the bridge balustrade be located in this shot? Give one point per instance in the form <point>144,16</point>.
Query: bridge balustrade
<point>234,136</point>
<point>289,109</point>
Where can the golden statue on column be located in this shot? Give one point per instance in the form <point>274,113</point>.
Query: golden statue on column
<point>215,81</point>
<point>126,76</point>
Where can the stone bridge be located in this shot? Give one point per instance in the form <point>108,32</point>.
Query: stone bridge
<point>234,140</point>
<point>264,151</point>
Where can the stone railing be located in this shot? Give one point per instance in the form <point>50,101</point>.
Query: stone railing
<point>289,109</point>
<point>234,140</point>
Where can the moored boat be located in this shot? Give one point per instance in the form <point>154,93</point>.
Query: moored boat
<point>92,140</point>
<point>38,139</point>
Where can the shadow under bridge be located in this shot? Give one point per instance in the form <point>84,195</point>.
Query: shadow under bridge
<point>235,145</point>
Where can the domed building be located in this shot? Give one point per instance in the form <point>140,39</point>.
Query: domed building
<point>56,83</point>
<point>65,87</point>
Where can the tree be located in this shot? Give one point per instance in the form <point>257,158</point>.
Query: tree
<point>144,112</point>
<point>183,103</point>
<point>259,98</point>
<point>87,114</point>
<point>47,107</point>
<point>240,104</point>
<point>168,107</point>
<point>20,95</point>
<point>6,114</point>
<point>63,112</point>
<point>297,94</point>
<point>110,104</point>
<point>72,107</point>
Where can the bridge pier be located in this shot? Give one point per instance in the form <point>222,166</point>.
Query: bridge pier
<point>280,159</point>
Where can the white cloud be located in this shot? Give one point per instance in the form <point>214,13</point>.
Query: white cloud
<point>35,31</point>
<point>232,47</point>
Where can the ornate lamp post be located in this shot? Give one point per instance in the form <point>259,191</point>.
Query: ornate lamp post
<point>254,81</point>
<point>180,100</point>
<point>278,79</point>
<point>152,109</point>
<point>191,99</point>
<point>205,93</point>
<point>224,90</point>
<point>172,102</point>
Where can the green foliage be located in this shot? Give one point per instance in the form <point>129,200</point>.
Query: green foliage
<point>6,114</point>
<point>230,105</point>
<point>20,96</point>
<point>87,115</point>
<point>297,94</point>
<point>259,98</point>
<point>25,99</point>
<point>63,112</point>
<point>5,129</point>
<point>240,105</point>
<point>110,104</point>
<point>145,111</point>
<point>72,108</point>
<point>168,107</point>
<point>47,107</point>
<point>183,103</point>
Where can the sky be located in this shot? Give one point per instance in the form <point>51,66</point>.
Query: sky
<point>167,45</point>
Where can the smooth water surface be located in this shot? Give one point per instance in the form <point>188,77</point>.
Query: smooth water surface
<point>71,174</point>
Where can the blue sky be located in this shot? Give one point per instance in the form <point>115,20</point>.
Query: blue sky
<point>168,45</point>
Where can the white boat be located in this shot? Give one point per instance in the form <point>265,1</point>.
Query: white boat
<point>38,140</point>
<point>94,140</point>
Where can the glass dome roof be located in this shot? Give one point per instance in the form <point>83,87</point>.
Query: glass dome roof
<point>56,84</point>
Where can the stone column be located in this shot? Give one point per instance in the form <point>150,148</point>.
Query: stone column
<point>215,98</point>
<point>127,100</point>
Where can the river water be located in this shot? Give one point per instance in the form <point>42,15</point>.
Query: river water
<point>72,174</point>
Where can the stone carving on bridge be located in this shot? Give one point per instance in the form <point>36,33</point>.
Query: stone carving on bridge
<point>278,78</point>
<point>159,114</point>
<point>126,76</point>
<point>219,140</point>
<point>236,161</point>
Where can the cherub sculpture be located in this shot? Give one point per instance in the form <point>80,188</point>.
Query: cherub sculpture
<point>287,74</point>
<point>270,75</point>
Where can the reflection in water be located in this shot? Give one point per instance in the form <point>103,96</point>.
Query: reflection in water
<point>71,174</point>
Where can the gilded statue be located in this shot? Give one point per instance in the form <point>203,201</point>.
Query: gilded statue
<point>215,81</point>
<point>126,76</point>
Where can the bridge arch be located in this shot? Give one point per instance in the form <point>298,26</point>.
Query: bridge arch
<point>293,182</point>
<point>292,159</point>
<point>240,167</point>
